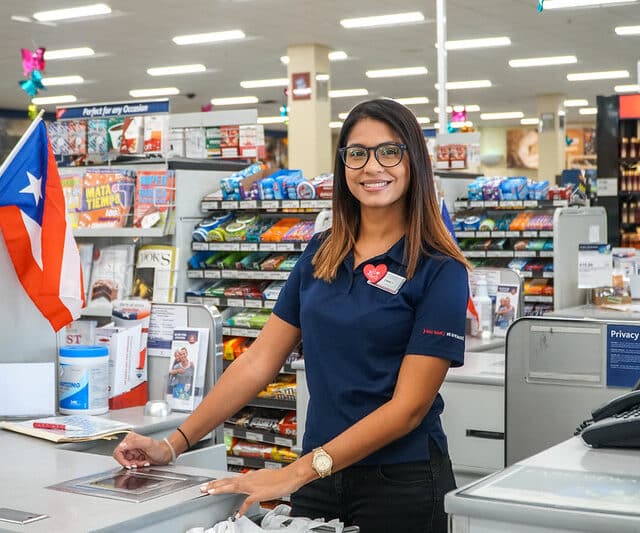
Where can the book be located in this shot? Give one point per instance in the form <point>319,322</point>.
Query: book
<point>154,198</point>
<point>107,197</point>
<point>155,277</point>
<point>78,428</point>
<point>187,368</point>
<point>111,275</point>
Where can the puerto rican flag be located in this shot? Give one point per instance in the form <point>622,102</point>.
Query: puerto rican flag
<point>34,226</point>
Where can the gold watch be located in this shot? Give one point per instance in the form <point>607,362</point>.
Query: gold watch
<point>322,462</point>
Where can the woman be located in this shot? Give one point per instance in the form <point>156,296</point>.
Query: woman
<point>380,303</point>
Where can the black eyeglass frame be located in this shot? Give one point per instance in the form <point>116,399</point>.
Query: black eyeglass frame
<point>343,152</point>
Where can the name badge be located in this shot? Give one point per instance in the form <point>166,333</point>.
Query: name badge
<point>390,282</point>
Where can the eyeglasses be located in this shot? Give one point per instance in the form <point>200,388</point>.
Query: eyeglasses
<point>356,156</point>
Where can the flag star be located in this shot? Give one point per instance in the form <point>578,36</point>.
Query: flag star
<point>34,187</point>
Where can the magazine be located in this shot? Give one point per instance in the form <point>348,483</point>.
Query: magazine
<point>73,428</point>
<point>187,368</point>
<point>107,196</point>
<point>111,275</point>
<point>154,198</point>
<point>155,277</point>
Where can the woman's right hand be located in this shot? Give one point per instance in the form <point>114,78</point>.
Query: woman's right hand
<point>139,451</point>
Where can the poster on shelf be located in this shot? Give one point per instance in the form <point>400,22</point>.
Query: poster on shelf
<point>522,148</point>
<point>187,367</point>
<point>155,134</point>
<point>212,139</point>
<point>229,142</point>
<point>132,139</point>
<point>507,297</point>
<point>595,265</point>
<point>252,141</point>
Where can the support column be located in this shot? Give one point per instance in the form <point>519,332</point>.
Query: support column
<point>551,139</point>
<point>309,109</point>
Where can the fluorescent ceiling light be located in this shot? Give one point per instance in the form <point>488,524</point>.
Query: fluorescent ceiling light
<point>72,13</point>
<point>68,53</point>
<point>588,110</point>
<point>423,120</point>
<point>284,60</point>
<point>529,121</point>
<point>272,120</point>
<point>576,103</point>
<point>255,84</point>
<point>176,69</point>
<point>471,108</point>
<point>335,124</point>
<point>542,61</point>
<point>383,20</point>
<point>338,55</point>
<point>485,42</point>
<point>563,4</point>
<point>215,37</point>
<point>323,77</point>
<point>628,30</point>
<point>161,91</point>
<point>235,100</point>
<point>395,72</point>
<point>345,93</point>
<point>415,100</point>
<point>604,75</point>
<point>44,100</point>
<point>472,84</point>
<point>62,80</point>
<point>634,88</point>
<point>500,116</point>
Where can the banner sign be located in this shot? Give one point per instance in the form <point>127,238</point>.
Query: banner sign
<point>115,109</point>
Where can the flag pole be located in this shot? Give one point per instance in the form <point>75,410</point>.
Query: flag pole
<point>22,140</point>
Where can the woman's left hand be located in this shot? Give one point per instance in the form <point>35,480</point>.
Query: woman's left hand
<point>261,485</point>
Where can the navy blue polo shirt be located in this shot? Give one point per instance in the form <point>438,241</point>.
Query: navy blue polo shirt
<point>355,336</point>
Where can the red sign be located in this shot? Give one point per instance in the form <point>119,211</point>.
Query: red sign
<point>301,85</point>
<point>630,106</point>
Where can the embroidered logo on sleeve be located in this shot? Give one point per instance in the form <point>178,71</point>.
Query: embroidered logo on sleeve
<point>442,333</point>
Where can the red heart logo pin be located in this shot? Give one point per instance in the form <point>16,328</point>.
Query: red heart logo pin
<point>374,273</point>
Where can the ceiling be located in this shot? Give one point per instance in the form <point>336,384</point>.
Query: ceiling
<point>138,35</point>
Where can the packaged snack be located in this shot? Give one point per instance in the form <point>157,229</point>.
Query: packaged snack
<point>472,223</point>
<point>244,448</point>
<point>273,262</point>
<point>514,188</point>
<point>517,264</point>
<point>488,224</point>
<point>289,262</point>
<point>286,455</point>
<point>288,425</point>
<point>254,258</point>
<point>272,291</point>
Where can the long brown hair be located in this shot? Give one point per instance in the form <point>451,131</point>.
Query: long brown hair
<point>426,229</point>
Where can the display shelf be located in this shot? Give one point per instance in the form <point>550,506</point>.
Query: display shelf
<point>272,403</point>
<point>212,205</point>
<point>122,232</point>
<point>504,234</point>
<point>239,274</point>
<point>509,204</point>
<point>258,435</point>
<point>629,160</point>
<point>507,253</point>
<point>248,303</point>
<point>241,332</point>
<point>248,246</point>
<point>254,462</point>
<point>538,299</point>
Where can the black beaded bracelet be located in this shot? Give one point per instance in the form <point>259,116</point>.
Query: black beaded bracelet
<point>185,438</point>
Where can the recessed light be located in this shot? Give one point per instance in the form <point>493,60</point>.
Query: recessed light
<point>68,53</point>
<point>486,42</point>
<point>604,75</point>
<point>272,120</point>
<point>176,69</point>
<point>471,108</point>
<point>472,84</point>
<point>414,100</point>
<point>576,103</point>
<point>345,93</point>
<point>161,91</point>
<point>530,121</point>
<point>588,110</point>
<point>542,61</point>
<point>338,55</point>
<point>235,100</point>
<point>633,88</point>
<point>335,124</point>
<point>503,115</point>
<point>628,30</point>
<point>214,37</point>
<point>564,4</point>
<point>62,80</point>
<point>72,13</point>
<point>64,99</point>
<point>256,84</point>
<point>383,20</point>
<point>396,72</point>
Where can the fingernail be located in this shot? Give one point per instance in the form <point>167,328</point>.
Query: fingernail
<point>236,516</point>
<point>134,466</point>
<point>147,464</point>
<point>211,491</point>
<point>128,467</point>
<point>203,487</point>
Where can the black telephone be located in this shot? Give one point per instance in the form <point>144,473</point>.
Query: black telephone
<point>615,424</point>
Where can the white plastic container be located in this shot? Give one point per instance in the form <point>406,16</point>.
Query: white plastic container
<point>83,380</point>
<point>483,305</point>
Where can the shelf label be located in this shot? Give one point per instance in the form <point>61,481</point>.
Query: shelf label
<point>283,442</point>
<point>548,253</point>
<point>513,234</point>
<point>523,253</point>
<point>560,203</point>
<point>303,246</point>
<point>286,247</point>
<point>511,203</point>
<point>290,203</point>
<point>242,332</point>
<point>529,233</point>
<point>230,274</point>
<point>226,331</point>
<point>248,204</point>
<point>547,274</point>
<point>460,205</point>
<point>545,233</point>
<point>272,465</point>
<point>268,247</point>
<point>194,299</point>
<point>229,205</point>
<point>476,203</point>
<point>270,204</point>
<point>530,203</point>
<point>269,304</point>
<point>199,246</point>
<point>194,274</point>
<point>250,435</point>
<point>207,206</point>
<point>308,204</point>
<point>208,300</point>
<point>253,303</point>
<point>498,233</point>
<point>249,247</point>
<point>212,274</point>
<point>463,234</point>
<point>490,203</point>
<point>225,246</point>
<point>499,253</point>
<point>475,254</point>
<point>526,274</point>
<point>325,204</point>
<point>235,302</point>
<point>483,234</point>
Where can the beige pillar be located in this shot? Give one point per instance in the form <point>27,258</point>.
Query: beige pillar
<point>309,109</point>
<point>551,139</point>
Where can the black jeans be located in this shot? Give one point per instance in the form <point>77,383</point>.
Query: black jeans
<point>400,498</point>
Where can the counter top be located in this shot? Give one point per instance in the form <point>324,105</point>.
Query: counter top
<point>597,312</point>
<point>569,486</point>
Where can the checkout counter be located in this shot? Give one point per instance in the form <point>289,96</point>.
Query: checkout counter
<point>29,465</point>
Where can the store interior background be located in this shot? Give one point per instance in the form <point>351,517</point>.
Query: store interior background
<point>138,35</point>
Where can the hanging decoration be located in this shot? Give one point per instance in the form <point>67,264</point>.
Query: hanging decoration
<point>540,6</point>
<point>33,111</point>
<point>568,140</point>
<point>206,108</point>
<point>32,85</point>
<point>33,64</point>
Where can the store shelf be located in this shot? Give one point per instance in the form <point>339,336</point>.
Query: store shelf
<point>271,403</point>
<point>254,462</point>
<point>507,253</point>
<point>248,303</point>
<point>239,274</point>
<point>538,299</point>
<point>122,232</point>
<point>249,246</point>
<point>286,369</point>
<point>241,332</point>
<point>510,204</point>
<point>211,205</point>
<point>258,435</point>
<point>629,160</point>
<point>504,234</point>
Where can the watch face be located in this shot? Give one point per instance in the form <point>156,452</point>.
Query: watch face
<point>323,462</point>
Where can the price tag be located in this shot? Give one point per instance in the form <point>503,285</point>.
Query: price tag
<point>236,461</point>
<point>523,253</point>
<point>194,274</point>
<point>460,205</point>
<point>194,299</point>
<point>281,275</point>
<point>303,246</point>
<point>546,234</point>
<point>526,274</point>
<point>198,246</point>
<point>248,204</point>
<point>269,304</point>
<point>483,234</point>
<point>252,274</point>
<point>241,332</point>
<point>212,274</point>
<point>547,253</point>
<point>513,234</point>
<point>531,203</point>
<point>475,254</point>
<point>511,203</point>
<point>270,204</point>
<point>229,205</point>
<point>290,203</point>
<point>490,203</point>
<point>272,465</point>
<point>560,203</point>
<point>268,247</point>
<point>286,247</point>
<point>208,300</point>
<point>547,274</point>
<point>476,203</point>
<point>209,206</point>
<point>595,266</point>
<point>233,274</point>
<point>254,436</point>
<point>253,303</point>
<point>463,234</point>
<point>249,247</point>
<point>225,246</point>
<point>324,204</point>
<point>226,331</point>
<point>498,233</point>
<point>283,442</point>
<point>235,302</point>
<point>308,204</point>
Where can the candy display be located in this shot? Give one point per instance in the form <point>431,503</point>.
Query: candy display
<point>514,188</point>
